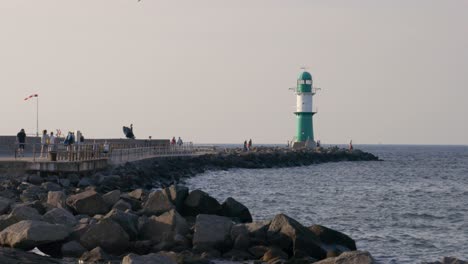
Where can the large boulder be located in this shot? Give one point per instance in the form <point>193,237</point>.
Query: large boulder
<point>95,256</point>
<point>164,227</point>
<point>177,195</point>
<point>106,234</point>
<point>234,209</point>
<point>57,199</point>
<point>60,216</point>
<point>72,249</point>
<point>4,205</point>
<point>212,232</point>
<point>350,257</point>
<point>111,197</point>
<point>88,202</point>
<point>199,202</point>
<point>295,239</point>
<point>157,203</point>
<point>16,256</point>
<point>18,214</point>
<point>332,237</point>
<point>148,259</point>
<point>127,220</point>
<point>28,234</point>
<point>256,230</point>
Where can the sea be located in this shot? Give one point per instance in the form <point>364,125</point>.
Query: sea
<point>408,208</point>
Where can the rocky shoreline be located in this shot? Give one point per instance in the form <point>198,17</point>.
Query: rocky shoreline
<point>117,216</point>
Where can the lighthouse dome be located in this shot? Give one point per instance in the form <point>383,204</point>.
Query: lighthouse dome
<point>305,76</point>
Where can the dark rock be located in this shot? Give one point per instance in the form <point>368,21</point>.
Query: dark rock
<point>72,249</point>
<point>128,221</point>
<point>57,199</point>
<point>291,236</point>
<point>199,202</point>
<point>177,195</point>
<point>16,256</point>
<point>50,186</point>
<point>111,197</point>
<point>274,253</point>
<point>148,259</point>
<point>242,242</point>
<point>87,202</point>
<point>330,236</point>
<point>65,182</point>
<point>122,205</point>
<point>60,216</point>
<point>84,182</point>
<point>234,209</point>
<point>106,234</point>
<point>28,234</point>
<point>237,255</point>
<point>32,193</point>
<point>258,251</point>
<point>448,260</point>
<point>35,179</point>
<point>164,227</point>
<point>350,257</point>
<point>97,255</point>
<point>141,247</point>
<point>157,203</point>
<point>135,204</point>
<point>5,204</point>
<point>212,231</point>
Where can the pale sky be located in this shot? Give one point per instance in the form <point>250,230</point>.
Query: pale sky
<point>391,72</point>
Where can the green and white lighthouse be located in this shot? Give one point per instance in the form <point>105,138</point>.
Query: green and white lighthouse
<point>304,113</point>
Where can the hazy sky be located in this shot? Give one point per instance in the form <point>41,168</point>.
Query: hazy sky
<point>219,71</point>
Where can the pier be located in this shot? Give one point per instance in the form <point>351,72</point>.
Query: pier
<point>99,155</point>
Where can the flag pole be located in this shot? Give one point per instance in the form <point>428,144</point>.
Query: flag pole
<point>37,116</point>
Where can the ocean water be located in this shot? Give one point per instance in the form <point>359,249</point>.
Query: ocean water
<point>411,207</point>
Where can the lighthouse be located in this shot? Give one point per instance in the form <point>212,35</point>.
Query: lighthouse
<point>304,113</point>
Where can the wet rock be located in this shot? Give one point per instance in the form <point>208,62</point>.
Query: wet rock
<point>87,202</point>
<point>199,202</point>
<point>234,209</point>
<point>106,234</point>
<point>157,203</point>
<point>148,259</point>
<point>291,236</point>
<point>332,237</point>
<point>72,249</point>
<point>84,182</point>
<point>97,255</point>
<point>350,257</point>
<point>128,221</point>
<point>56,199</point>
<point>28,234</point>
<point>111,197</point>
<point>212,231</point>
<point>60,216</point>
<point>32,193</point>
<point>164,227</point>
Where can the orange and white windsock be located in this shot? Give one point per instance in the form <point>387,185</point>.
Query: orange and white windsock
<point>31,96</point>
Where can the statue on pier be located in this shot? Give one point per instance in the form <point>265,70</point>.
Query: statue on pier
<point>128,131</point>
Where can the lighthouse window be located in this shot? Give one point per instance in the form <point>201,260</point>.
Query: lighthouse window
<point>309,82</point>
<point>300,82</point>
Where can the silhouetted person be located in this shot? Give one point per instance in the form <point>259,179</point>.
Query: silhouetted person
<point>21,138</point>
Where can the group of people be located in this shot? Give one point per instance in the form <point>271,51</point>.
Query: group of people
<point>179,142</point>
<point>247,145</point>
<point>49,142</point>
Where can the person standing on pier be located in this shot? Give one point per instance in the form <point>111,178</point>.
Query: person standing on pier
<point>52,142</point>
<point>249,145</point>
<point>180,142</point>
<point>245,145</point>
<point>351,145</point>
<point>44,144</point>
<point>21,138</point>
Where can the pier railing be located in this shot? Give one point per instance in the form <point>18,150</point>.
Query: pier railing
<point>114,153</point>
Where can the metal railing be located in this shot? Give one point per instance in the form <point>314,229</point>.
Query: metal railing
<point>115,153</point>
